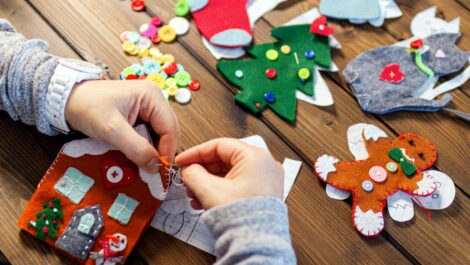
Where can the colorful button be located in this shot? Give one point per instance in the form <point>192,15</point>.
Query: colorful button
<point>304,73</point>
<point>269,97</point>
<point>128,71</point>
<point>137,68</point>
<point>378,174</point>
<point>155,39</point>
<point>182,78</point>
<point>194,85</point>
<point>145,59</point>
<point>156,21</point>
<point>183,96</point>
<point>132,77</point>
<point>271,73</point>
<point>123,36</point>
<point>129,46</point>
<point>143,53</point>
<point>172,90</point>
<point>392,167</point>
<point>239,74</point>
<point>180,25</point>
<point>167,34</point>
<point>154,51</point>
<point>171,68</point>
<point>170,82</point>
<point>367,185</point>
<point>285,49</point>
<point>272,54</point>
<point>157,79</point>
<point>148,30</point>
<point>137,5</point>
<point>151,66</point>
<point>168,58</point>
<point>144,43</point>
<point>309,54</point>
<point>180,67</point>
<point>181,8</point>
<point>133,36</point>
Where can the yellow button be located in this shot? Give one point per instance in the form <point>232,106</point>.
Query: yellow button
<point>143,53</point>
<point>272,54</point>
<point>129,46</point>
<point>166,34</point>
<point>285,49</point>
<point>168,58</point>
<point>304,73</point>
<point>135,52</point>
<point>154,51</point>
<point>158,59</point>
<point>157,79</point>
<point>172,90</point>
<point>170,82</point>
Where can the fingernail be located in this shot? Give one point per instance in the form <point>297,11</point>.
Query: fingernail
<point>152,166</point>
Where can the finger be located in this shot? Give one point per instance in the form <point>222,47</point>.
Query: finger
<point>222,149</point>
<point>201,183</point>
<point>164,122</point>
<point>133,145</point>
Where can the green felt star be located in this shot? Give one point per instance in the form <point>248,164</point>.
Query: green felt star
<point>254,84</point>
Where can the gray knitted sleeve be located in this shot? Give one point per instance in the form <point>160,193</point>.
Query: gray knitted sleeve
<point>251,231</point>
<point>25,70</point>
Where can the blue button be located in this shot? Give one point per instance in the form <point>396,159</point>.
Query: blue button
<point>137,68</point>
<point>151,66</point>
<point>310,54</point>
<point>180,67</point>
<point>133,36</point>
<point>269,97</point>
<point>367,185</point>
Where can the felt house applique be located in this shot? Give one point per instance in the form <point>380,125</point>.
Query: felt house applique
<point>93,204</point>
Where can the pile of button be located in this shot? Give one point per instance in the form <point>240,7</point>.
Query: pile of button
<point>138,43</point>
<point>164,72</point>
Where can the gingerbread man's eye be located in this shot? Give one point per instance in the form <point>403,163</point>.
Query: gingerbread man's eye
<point>421,155</point>
<point>411,142</point>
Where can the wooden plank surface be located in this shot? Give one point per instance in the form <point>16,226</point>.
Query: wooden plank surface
<point>321,228</point>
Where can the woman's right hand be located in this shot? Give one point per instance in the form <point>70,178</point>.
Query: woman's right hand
<point>224,170</point>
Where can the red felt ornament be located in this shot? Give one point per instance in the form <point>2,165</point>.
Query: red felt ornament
<point>392,73</point>
<point>319,27</point>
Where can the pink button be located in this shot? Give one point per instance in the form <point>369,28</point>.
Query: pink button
<point>378,174</point>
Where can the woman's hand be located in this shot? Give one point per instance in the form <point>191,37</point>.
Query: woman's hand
<point>224,170</point>
<point>107,110</point>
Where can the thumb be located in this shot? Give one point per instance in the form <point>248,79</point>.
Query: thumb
<point>133,145</point>
<point>203,184</point>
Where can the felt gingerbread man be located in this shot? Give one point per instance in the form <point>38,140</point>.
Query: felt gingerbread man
<point>383,169</point>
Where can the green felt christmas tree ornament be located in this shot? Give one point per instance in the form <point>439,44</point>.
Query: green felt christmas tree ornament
<point>47,220</point>
<point>278,69</point>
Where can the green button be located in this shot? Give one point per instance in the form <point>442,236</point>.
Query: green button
<point>272,54</point>
<point>181,8</point>
<point>182,78</point>
<point>128,71</point>
<point>392,167</point>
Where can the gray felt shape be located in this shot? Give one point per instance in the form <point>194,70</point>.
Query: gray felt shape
<point>380,97</point>
<point>75,242</point>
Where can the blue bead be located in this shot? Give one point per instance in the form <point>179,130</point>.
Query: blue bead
<point>269,97</point>
<point>302,81</point>
<point>310,54</point>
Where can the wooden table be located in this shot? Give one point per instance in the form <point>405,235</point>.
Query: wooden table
<point>321,228</point>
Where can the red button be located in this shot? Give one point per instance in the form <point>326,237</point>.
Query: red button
<point>271,73</point>
<point>137,5</point>
<point>194,85</point>
<point>142,76</point>
<point>156,21</point>
<point>171,69</point>
<point>416,44</point>
<point>131,76</point>
<point>156,39</point>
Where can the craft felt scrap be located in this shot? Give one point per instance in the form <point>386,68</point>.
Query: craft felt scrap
<point>89,204</point>
<point>385,172</point>
<point>278,69</point>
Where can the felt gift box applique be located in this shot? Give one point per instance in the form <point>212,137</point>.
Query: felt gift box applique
<point>91,192</point>
<point>280,69</point>
<point>385,172</point>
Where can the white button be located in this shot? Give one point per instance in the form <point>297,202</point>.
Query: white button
<point>183,96</point>
<point>180,25</point>
<point>144,43</point>
<point>114,174</point>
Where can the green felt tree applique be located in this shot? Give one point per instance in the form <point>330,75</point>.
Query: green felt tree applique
<point>47,220</point>
<point>278,69</point>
